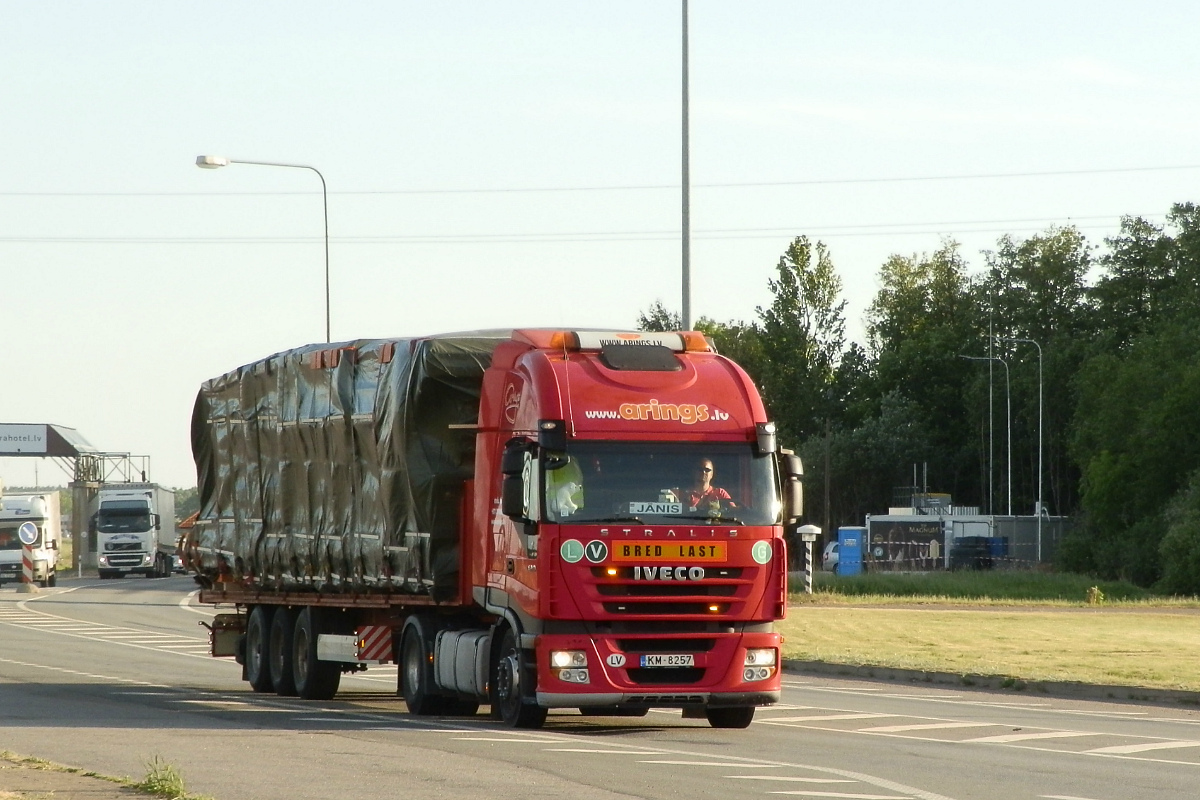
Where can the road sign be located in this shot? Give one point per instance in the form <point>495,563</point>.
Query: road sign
<point>28,533</point>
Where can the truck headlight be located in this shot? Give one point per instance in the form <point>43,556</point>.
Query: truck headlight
<point>562,659</point>
<point>759,664</point>
<point>574,676</point>
<point>103,561</point>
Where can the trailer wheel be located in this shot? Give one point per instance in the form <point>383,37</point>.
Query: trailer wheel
<point>280,651</point>
<point>736,717</point>
<point>314,679</point>
<point>52,580</point>
<point>258,631</point>
<point>416,684</point>
<point>512,683</point>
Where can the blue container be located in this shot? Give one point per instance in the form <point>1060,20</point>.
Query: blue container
<point>850,550</point>
<point>998,546</point>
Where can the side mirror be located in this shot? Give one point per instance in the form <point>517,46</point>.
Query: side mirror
<point>792,474</point>
<point>516,464</point>
<point>156,521</point>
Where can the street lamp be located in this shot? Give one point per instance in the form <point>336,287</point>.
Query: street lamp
<point>1008,394</point>
<point>216,162</point>
<point>1039,492</point>
<point>686,315</point>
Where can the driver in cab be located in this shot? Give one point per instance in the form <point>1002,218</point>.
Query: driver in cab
<point>702,495</point>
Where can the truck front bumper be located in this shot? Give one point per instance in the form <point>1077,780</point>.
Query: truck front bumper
<point>721,670</point>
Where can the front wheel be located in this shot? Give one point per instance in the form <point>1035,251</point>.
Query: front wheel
<point>736,717</point>
<point>512,684</point>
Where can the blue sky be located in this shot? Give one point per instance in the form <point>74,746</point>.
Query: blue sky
<point>496,164</point>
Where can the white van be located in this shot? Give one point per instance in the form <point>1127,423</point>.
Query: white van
<point>42,512</point>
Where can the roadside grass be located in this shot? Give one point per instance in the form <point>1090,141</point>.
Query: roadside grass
<point>1125,647</point>
<point>1000,587</point>
<point>1024,626</point>
<point>162,779</point>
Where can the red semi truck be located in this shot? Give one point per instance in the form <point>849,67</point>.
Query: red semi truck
<point>516,518</point>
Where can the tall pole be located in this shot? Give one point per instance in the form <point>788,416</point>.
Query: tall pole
<point>686,316</point>
<point>213,162</point>
<point>1039,480</point>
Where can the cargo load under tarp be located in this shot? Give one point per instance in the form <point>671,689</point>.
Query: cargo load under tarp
<point>340,467</point>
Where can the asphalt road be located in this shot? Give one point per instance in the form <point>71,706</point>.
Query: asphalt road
<point>108,675</point>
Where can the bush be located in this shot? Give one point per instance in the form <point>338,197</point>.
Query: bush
<point>1180,547</point>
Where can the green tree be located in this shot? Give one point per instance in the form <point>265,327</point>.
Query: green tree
<point>924,316</point>
<point>803,336</point>
<point>659,318</point>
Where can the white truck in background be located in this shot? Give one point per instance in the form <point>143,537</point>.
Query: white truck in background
<point>135,530</point>
<point>41,510</point>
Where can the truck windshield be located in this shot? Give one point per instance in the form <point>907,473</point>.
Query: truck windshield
<point>9,540</point>
<point>123,516</point>
<point>662,483</point>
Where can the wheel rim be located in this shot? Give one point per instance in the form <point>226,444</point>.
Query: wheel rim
<point>508,682</point>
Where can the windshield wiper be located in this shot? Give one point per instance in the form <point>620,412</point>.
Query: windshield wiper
<point>635,520</point>
<point>707,518</point>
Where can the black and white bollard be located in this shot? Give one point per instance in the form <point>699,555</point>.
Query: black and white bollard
<point>808,535</point>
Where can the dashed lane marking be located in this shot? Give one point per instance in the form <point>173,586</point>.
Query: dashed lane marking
<point>1126,749</point>
<point>847,795</point>
<point>788,778</point>
<point>828,717</point>
<point>928,726</point>
<point>1026,737</point>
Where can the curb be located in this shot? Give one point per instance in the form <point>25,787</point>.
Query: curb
<point>1065,689</point>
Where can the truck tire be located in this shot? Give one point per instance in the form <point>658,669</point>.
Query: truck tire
<point>280,651</point>
<point>416,678</point>
<point>313,679</point>
<point>258,631</point>
<point>513,682</point>
<point>735,717</point>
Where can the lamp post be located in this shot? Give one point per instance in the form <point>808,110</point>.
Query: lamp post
<point>216,162</point>
<point>1039,481</point>
<point>686,315</point>
<point>1008,394</point>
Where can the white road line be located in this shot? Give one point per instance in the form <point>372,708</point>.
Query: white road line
<point>824,717</point>
<point>1141,748</point>
<point>1064,797</point>
<point>848,796</point>
<point>791,779</point>
<point>600,752</point>
<point>930,726</point>
<point>501,739</point>
<point>1025,737</point>
<point>712,764</point>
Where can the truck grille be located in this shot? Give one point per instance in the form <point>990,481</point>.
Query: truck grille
<point>678,676</point>
<point>125,561</point>
<point>113,547</point>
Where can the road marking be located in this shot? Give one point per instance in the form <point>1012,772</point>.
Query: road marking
<point>824,717</point>
<point>601,752</point>
<point>787,778</point>
<point>713,764</point>
<point>1063,797</point>
<point>848,796</point>
<point>501,739</point>
<point>934,726</point>
<point>1141,748</point>
<point>1025,737</point>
